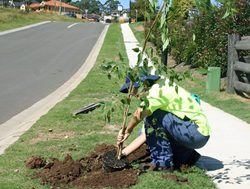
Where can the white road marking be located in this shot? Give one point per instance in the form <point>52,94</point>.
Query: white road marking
<point>70,26</point>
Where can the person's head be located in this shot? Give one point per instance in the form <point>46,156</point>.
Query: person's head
<point>147,81</point>
<point>126,86</point>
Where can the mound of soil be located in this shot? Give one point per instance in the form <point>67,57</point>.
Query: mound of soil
<point>88,171</point>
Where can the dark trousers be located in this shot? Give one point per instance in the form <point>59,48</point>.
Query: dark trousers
<point>170,139</point>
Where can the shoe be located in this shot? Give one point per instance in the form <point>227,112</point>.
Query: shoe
<point>151,167</point>
<point>194,157</point>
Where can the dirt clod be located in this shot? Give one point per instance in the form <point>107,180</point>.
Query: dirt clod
<point>35,162</point>
<point>60,171</point>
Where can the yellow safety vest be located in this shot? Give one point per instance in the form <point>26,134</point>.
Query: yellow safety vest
<point>179,102</point>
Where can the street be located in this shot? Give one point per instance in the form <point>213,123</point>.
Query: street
<point>36,61</point>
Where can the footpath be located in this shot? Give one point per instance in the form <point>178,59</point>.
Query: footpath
<point>226,157</point>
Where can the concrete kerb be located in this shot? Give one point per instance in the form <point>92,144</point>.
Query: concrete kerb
<point>12,129</point>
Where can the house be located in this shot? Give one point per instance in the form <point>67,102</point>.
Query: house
<point>124,16</point>
<point>54,6</point>
<point>35,6</point>
<point>23,7</point>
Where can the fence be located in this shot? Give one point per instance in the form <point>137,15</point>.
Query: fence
<point>238,72</point>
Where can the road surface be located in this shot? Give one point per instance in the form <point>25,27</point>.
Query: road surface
<point>36,61</point>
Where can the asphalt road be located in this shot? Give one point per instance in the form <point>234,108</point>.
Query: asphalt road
<point>36,61</point>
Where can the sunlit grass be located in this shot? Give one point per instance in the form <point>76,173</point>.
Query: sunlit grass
<point>13,18</point>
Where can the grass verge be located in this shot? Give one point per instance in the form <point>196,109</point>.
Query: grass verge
<point>232,104</point>
<point>78,135</point>
<point>13,18</point>
<point>138,31</point>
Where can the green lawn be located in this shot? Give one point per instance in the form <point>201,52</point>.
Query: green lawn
<point>13,18</point>
<point>83,132</point>
<point>138,31</point>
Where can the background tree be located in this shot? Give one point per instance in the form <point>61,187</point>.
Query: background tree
<point>66,1</point>
<point>181,8</point>
<point>140,6</point>
<point>202,41</point>
<point>93,6</point>
<point>111,5</point>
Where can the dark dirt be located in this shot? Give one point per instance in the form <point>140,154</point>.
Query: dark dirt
<point>89,172</point>
<point>111,163</point>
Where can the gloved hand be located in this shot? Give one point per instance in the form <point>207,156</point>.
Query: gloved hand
<point>121,137</point>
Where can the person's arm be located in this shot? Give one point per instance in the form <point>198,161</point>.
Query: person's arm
<point>134,121</point>
<point>134,144</point>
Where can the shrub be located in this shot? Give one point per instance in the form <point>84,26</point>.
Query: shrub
<point>211,36</point>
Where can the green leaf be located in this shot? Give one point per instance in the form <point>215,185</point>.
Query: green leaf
<point>165,45</point>
<point>139,58</point>
<point>136,50</point>
<point>163,37</point>
<point>150,51</point>
<point>163,20</point>
<point>123,101</point>
<point>121,57</point>
<point>176,89</point>
<point>226,14</point>
<point>151,3</point>
<point>194,37</point>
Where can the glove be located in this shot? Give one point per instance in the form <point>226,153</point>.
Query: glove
<point>121,137</point>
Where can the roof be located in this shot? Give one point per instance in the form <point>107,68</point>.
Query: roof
<point>54,3</point>
<point>35,5</point>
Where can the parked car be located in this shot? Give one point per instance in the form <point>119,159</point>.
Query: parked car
<point>72,15</point>
<point>91,17</point>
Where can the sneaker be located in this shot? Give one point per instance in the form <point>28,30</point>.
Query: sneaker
<point>194,157</point>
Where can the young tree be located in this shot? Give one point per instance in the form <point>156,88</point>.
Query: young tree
<point>159,21</point>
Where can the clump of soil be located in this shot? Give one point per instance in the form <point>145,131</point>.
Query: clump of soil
<point>35,162</point>
<point>88,171</point>
<point>57,171</point>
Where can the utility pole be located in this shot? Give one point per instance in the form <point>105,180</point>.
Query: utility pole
<point>60,8</point>
<point>86,14</point>
<point>136,11</point>
<point>130,9</point>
